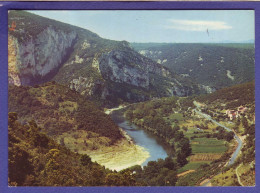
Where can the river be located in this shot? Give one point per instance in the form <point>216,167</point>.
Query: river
<point>156,148</point>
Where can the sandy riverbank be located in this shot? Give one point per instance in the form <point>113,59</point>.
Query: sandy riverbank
<point>206,181</point>
<point>120,156</point>
<point>109,111</point>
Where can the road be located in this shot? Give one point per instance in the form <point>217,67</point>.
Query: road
<point>239,141</point>
<point>238,176</point>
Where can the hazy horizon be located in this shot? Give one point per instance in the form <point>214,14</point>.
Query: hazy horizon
<point>176,26</point>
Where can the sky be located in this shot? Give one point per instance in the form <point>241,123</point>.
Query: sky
<point>171,26</point>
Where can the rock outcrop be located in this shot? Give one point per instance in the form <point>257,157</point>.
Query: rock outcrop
<point>117,66</point>
<point>42,50</point>
<point>32,60</point>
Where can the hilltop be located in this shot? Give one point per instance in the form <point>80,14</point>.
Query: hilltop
<point>213,65</point>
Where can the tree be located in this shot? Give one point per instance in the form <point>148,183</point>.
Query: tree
<point>171,178</point>
<point>19,165</point>
<point>51,174</point>
<point>85,160</point>
<point>113,179</point>
<point>245,122</point>
<point>185,146</point>
<point>168,163</point>
<point>181,159</point>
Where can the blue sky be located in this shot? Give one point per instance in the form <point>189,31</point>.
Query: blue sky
<point>163,26</point>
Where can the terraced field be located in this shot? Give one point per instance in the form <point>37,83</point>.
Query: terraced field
<point>208,145</point>
<point>192,166</point>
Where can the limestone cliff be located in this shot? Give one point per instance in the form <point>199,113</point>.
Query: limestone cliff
<point>32,60</point>
<point>118,67</point>
<point>42,50</point>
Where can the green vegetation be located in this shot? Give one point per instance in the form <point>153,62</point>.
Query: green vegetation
<point>36,160</point>
<point>243,168</point>
<point>156,173</point>
<point>206,64</point>
<point>192,166</point>
<point>227,178</point>
<point>208,145</point>
<point>232,97</point>
<point>58,109</point>
<point>149,115</point>
<point>51,115</point>
<point>173,120</point>
<point>216,105</point>
<point>205,171</point>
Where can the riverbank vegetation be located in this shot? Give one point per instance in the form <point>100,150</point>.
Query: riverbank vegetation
<point>79,130</point>
<point>151,117</point>
<point>193,145</point>
<point>200,145</point>
<point>37,160</point>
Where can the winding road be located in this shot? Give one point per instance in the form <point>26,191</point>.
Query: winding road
<point>239,141</point>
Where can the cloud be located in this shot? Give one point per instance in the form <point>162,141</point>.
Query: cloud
<point>197,25</point>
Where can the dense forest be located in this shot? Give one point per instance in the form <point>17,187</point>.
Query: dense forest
<point>37,160</point>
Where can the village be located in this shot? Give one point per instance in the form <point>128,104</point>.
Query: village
<point>233,114</point>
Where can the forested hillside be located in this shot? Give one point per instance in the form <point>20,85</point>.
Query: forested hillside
<point>232,96</point>
<point>214,65</point>
<point>37,160</point>
<point>58,110</point>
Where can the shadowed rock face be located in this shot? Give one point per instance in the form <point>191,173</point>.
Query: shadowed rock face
<point>42,50</point>
<point>120,67</point>
<point>38,57</point>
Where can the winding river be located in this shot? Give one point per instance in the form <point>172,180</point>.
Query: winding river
<point>156,148</point>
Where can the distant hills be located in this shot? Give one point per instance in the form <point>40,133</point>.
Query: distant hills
<point>214,65</point>
<point>42,49</point>
<point>112,72</point>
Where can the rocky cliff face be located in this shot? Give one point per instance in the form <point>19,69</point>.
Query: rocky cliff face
<point>42,50</point>
<point>31,61</point>
<point>129,67</point>
<point>118,67</point>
